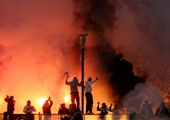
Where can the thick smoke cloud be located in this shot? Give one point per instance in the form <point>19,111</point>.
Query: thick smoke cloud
<point>99,17</point>
<point>127,43</point>
<point>143,35</point>
<point>130,41</point>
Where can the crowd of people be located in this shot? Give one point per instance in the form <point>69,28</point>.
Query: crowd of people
<point>71,113</point>
<point>147,112</point>
<point>74,112</point>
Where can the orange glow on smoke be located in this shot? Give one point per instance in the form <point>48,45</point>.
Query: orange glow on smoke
<point>1,100</point>
<point>35,56</point>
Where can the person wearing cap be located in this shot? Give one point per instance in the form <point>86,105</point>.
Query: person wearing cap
<point>88,94</point>
<point>74,84</point>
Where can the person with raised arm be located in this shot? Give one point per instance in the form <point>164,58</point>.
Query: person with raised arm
<point>88,94</point>
<point>74,84</point>
<point>10,107</point>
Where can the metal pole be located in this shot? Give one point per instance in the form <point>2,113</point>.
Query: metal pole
<point>83,38</point>
<point>82,81</point>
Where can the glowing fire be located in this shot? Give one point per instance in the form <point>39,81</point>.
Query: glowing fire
<point>67,99</point>
<point>41,101</point>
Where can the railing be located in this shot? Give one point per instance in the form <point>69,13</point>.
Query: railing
<point>85,117</point>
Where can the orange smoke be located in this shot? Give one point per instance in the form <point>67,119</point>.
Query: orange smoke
<point>37,45</point>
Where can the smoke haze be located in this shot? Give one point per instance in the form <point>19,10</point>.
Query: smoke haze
<point>33,44</point>
<point>143,37</point>
<point>39,42</point>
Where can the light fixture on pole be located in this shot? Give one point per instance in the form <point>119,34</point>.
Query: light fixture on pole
<point>83,40</point>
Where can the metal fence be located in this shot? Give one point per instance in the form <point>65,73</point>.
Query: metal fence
<point>85,117</point>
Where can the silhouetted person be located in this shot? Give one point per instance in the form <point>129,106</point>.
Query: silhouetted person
<point>28,110</point>
<point>47,108</point>
<point>146,110</point>
<point>10,107</point>
<point>74,89</point>
<point>74,113</point>
<point>115,110</point>
<point>162,111</point>
<point>88,94</point>
<point>63,111</point>
<point>103,110</point>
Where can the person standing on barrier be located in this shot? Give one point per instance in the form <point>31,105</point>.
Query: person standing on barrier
<point>88,94</point>
<point>10,107</point>
<point>74,89</point>
<point>28,110</point>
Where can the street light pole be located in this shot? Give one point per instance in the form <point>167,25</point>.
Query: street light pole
<point>83,40</point>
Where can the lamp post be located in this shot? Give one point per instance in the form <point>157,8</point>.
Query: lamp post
<point>83,40</point>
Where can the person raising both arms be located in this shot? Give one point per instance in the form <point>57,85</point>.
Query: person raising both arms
<point>88,94</point>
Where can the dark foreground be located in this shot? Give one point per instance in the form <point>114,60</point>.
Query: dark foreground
<point>85,117</point>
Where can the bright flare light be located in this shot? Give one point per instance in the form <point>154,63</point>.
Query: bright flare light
<point>0,100</point>
<point>66,98</point>
<point>41,101</point>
